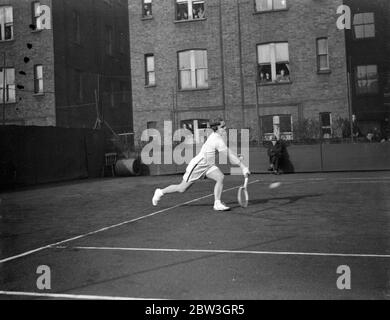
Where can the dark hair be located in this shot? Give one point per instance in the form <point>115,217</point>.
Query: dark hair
<point>215,123</point>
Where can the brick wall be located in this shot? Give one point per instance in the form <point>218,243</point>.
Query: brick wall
<point>29,109</point>
<point>232,70</point>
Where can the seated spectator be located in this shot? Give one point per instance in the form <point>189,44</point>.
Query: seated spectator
<point>373,135</point>
<point>275,154</point>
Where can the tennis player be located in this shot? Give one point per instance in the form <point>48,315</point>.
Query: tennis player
<point>204,165</point>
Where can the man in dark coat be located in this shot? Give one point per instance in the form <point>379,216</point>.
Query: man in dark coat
<point>275,154</point>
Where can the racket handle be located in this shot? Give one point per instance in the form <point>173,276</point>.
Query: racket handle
<point>246,181</point>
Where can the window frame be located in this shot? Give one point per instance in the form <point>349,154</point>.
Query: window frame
<point>190,10</point>
<point>273,63</point>
<point>326,127</point>
<point>319,55</point>
<point>148,72</point>
<point>286,135</point>
<point>4,24</point>
<point>360,92</point>
<point>193,71</point>
<point>38,82</point>
<point>8,87</point>
<point>364,26</point>
<point>269,10</point>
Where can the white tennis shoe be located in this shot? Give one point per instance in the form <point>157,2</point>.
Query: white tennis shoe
<point>219,206</point>
<point>157,196</point>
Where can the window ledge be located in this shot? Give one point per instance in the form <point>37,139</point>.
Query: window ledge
<point>189,20</point>
<point>7,41</point>
<point>194,89</point>
<point>38,94</point>
<point>274,83</point>
<point>269,11</point>
<point>147,18</point>
<point>324,71</point>
<point>362,95</point>
<point>37,31</point>
<point>364,39</point>
<point>150,86</point>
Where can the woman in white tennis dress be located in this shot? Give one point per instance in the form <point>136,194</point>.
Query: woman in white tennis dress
<point>204,165</point>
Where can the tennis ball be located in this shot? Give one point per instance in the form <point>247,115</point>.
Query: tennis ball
<point>274,185</point>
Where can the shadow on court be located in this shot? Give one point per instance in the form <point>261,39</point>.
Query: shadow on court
<point>254,202</point>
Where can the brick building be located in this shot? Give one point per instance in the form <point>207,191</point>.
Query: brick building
<point>64,66</point>
<point>368,61</point>
<point>263,65</point>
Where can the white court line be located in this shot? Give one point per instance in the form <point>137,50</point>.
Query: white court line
<point>69,296</point>
<point>111,227</point>
<point>233,252</point>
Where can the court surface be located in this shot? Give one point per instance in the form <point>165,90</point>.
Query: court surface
<point>103,239</point>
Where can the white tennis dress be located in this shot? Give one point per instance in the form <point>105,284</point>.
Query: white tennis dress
<point>204,162</point>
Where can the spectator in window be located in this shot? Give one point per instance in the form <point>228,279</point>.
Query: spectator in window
<point>147,12</point>
<point>282,77</point>
<point>267,77</point>
<point>275,154</point>
<point>385,129</point>
<point>262,77</point>
<point>201,13</point>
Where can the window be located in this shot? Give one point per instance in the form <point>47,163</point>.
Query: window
<point>38,79</point>
<point>9,85</point>
<point>150,75</point>
<point>367,79</point>
<point>364,25</point>
<point>6,23</point>
<point>76,27</point>
<point>326,124</point>
<point>322,54</point>
<point>273,63</point>
<point>278,125</point>
<point>189,9</point>
<point>147,8</point>
<point>109,40</point>
<point>269,5</point>
<point>193,70</point>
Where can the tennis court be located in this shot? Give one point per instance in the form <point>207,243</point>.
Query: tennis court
<point>103,239</point>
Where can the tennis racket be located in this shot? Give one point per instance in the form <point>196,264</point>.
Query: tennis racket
<point>242,195</point>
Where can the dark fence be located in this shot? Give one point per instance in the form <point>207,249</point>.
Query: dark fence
<point>299,158</point>
<point>33,155</point>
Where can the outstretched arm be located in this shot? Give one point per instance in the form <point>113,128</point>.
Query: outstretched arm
<point>235,160</point>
